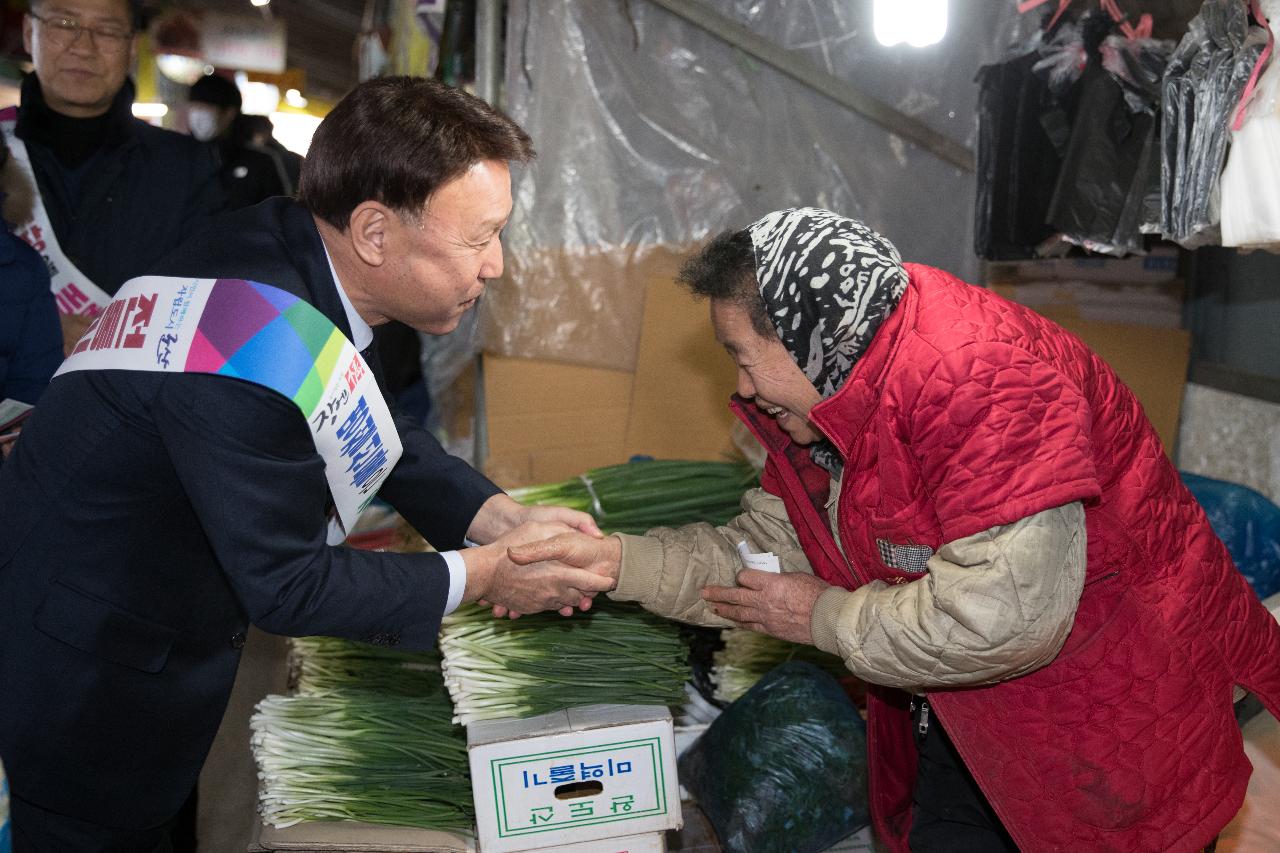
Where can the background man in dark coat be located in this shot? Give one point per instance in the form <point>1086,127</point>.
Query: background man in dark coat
<point>147,518</point>
<point>120,193</point>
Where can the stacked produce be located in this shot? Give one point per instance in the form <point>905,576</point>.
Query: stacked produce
<point>634,497</point>
<point>362,756</point>
<point>614,653</point>
<point>323,665</point>
<point>368,737</point>
<point>747,657</point>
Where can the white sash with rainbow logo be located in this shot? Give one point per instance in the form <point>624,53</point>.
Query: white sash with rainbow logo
<point>265,335</point>
<point>74,293</point>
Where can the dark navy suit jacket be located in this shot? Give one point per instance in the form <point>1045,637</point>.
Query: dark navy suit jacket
<point>146,519</point>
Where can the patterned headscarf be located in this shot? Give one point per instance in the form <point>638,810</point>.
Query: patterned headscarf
<point>827,283</point>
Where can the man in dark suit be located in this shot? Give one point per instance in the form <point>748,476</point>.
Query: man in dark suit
<point>146,518</point>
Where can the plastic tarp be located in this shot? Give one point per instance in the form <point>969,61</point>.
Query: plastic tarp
<point>653,135</point>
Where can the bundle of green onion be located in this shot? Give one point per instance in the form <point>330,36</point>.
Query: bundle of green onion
<point>747,657</point>
<point>362,756</point>
<point>637,496</point>
<point>614,653</point>
<point>324,665</point>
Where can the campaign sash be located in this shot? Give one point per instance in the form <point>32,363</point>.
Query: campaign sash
<point>261,334</point>
<point>72,289</point>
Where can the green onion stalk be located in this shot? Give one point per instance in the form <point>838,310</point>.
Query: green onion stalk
<point>612,654</point>
<point>748,656</point>
<point>323,665</point>
<point>394,760</point>
<point>637,496</point>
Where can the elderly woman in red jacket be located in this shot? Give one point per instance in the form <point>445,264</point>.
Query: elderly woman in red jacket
<point>974,513</point>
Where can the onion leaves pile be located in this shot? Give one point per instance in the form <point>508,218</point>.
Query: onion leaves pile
<point>637,496</point>
<point>614,653</point>
<point>368,738</point>
<point>748,656</point>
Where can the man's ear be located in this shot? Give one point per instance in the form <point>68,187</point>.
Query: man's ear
<point>370,226</point>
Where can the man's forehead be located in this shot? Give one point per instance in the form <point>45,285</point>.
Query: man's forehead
<point>116,10</point>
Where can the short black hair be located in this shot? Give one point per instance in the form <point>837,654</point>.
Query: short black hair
<point>725,269</point>
<point>216,90</point>
<point>396,140</point>
<point>137,12</point>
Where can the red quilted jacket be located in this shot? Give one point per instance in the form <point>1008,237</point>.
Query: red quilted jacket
<point>967,412</point>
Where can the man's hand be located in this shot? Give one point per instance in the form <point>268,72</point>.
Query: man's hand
<point>500,514</point>
<point>600,556</point>
<point>73,328</point>
<point>492,577</point>
<point>7,441</point>
<point>778,605</point>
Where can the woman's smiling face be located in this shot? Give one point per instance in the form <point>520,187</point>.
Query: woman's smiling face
<point>767,375</point>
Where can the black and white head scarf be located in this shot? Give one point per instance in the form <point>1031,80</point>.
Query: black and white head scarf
<point>827,283</point>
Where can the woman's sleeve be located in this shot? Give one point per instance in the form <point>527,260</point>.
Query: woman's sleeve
<point>666,569</point>
<point>992,606</point>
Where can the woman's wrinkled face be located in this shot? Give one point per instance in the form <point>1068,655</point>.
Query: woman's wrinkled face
<point>767,375</point>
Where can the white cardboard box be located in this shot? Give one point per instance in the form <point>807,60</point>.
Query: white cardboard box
<point>653,842</point>
<point>581,775</point>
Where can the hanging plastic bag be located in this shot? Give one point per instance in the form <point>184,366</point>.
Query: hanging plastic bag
<point>1023,128</point>
<point>784,768</point>
<point>1202,86</point>
<point>1249,191</point>
<point>1138,66</point>
<point>1102,157</point>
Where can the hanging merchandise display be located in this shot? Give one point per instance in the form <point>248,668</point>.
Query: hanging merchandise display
<point>1249,192</point>
<point>1203,84</point>
<point>1024,109</point>
<point>1137,66</point>
<point>1102,183</point>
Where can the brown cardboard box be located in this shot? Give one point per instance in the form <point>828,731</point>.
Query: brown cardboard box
<point>576,306</point>
<point>683,380</point>
<point>549,421</point>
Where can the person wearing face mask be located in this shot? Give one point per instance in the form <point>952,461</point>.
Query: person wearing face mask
<point>973,512</point>
<point>248,175</point>
<point>114,193</point>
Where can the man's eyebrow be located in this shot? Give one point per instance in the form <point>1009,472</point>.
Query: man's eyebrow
<point>64,12</point>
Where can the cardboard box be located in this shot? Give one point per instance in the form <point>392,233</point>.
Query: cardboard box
<point>1157,305</point>
<point>1158,265</point>
<point>342,836</point>
<point>653,842</point>
<point>549,421</point>
<point>581,775</point>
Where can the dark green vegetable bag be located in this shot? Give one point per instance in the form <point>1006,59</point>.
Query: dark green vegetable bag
<point>784,768</point>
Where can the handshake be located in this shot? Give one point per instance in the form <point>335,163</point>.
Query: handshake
<point>543,564</point>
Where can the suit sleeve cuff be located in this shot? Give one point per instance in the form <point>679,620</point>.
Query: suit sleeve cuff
<point>825,618</point>
<point>457,579</point>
